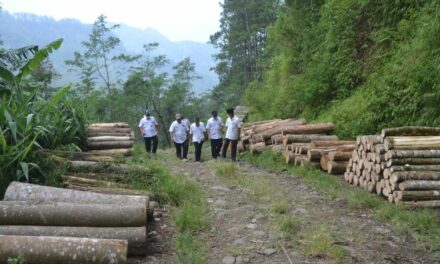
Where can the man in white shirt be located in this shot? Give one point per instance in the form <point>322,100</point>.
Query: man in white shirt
<point>197,130</point>
<point>149,128</point>
<point>179,135</point>
<point>186,145</point>
<point>232,134</point>
<point>214,127</point>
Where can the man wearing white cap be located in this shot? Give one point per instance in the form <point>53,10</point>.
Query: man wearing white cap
<point>149,128</point>
<point>179,134</point>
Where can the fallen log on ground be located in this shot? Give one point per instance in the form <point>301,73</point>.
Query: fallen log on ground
<point>419,185</point>
<point>339,155</point>
<point>106,190</point>
<point>110,144</point>
<point>117,152</point>
<point>73,214</point>
<point>44,250</point>
<point>276,124</point>
<point>277,130</point>
<point>33,193</point>
<point>288,139</point>
<point>109,138</point>
<point>109,125</point>
<point>257,147</point>
<point>309,129</point>
<point>90,166</point>
<point>136,236</point>
<point>99,130</point>
<point>91,182</point>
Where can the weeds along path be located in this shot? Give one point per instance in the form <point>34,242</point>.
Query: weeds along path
<point>258,216</point>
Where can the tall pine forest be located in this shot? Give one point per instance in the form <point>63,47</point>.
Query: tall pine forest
<point>361,64</point>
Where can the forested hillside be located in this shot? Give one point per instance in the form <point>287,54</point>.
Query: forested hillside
<point>363,65</point>
<point>23,29</point>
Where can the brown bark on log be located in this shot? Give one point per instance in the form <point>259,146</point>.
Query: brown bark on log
<point>288,139</point>
<point>109,133</point>
<point>415,168</point>
<point>91,182</point>
<point>339,156</point>
<point>136,236</point>
<point>336,167</point>
<point>310,164</point>
<point>90,166</point>
<point>277,130</point>
<point>419,185</point>
<point>73,214</point>
<point>379,149</point>
<point>413,161</point>
<point>324,128</point>
<point>33,193</point>
<point>66,250</point>
<point>110,125</point>
<point>106,190</point>
<point>110,145</point>
<point>419,195</point>
<point>412,154</point>
<point>316,153</point>
<point>410,131</point>
<point>109,138</point>
<point>266,126</point>
<point>114,152</point>
<point>99,130</point>
<point>401,176</point>
<point>277,140</point>
<point>331,143</point>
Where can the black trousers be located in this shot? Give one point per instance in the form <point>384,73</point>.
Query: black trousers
<point>233,148</point>
<point>181,149</point>
<point>216,146</point>
<point>151,144</point>
<point>198,150</point>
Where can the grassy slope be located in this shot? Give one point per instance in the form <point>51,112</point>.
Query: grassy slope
<point>421,225</point>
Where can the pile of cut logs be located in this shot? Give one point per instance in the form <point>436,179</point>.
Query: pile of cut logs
<point>110,139</point>
<point>402,164</point>
<point>53,225</point>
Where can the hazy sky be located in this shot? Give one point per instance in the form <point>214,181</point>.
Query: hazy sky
<point>176,19</point>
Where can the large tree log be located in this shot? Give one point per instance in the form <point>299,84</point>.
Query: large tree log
<point>247,126</point>
<point>419,185</point>
<point>122,151</point>
<point>110,133</point>
<point>73,214</point>
<point>316,153</point>
<point>337,167</point>
<point>33,193</point>
<point>331,143</point>
<point>136,236</point>
<point>109,138</point>
<point>110,144</point>
<point>422,204</point>
<point>267,134</point>
<point>91,182</point>
<point>288,139</point>
<point>257,148</point>
<point>277,124</point>
<point>323,162</point>
<point>87,156</point>
<point>398,154</point>
<point>109,125</point>
<point>98,130</point>
<point>419,195</point>
<point>90,166</point>
<point>413,161</point>
<point>401,176</point>
<point>410,131</point>
<point>289,157</point>
<point>412,143</point>
<point>106,190</point>
<point>45,250</point>
<point>324,128</point>
<point>415,168</point>
<point>277,140</point>
<point>339,155</point>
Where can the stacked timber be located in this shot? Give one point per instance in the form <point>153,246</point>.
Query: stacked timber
<point>296,147</point>
<point>110,139</point>
<point>365,167</point>
<point>402,164</point>
<point>331,155</point>
<point>32,213</point>
<point>412,165</point>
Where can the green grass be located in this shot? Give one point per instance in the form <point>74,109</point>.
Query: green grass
<point>188,199</point>
<point>422,225</point>
<point>280,206</point>
<point>288,225</point>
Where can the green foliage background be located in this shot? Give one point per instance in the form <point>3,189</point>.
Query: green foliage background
<point>362,64</point>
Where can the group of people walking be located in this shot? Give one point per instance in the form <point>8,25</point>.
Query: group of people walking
<point>182,134</point>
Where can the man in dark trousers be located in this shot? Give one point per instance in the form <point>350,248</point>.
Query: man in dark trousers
<point>179,134</point>
<point>232,134</point>
<point>197,131</point>
<point>214,127</point>
<point>149,128</point>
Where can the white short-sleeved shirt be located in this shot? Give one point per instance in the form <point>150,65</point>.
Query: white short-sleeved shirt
<point>197,132</point>
<point>149,126</point>
<point>186,122</point>
<point>215,127</point>
<point>232,124</point>
<point>179,131</point>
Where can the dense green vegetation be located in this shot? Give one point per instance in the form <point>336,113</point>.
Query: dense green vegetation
<point>363,65</point>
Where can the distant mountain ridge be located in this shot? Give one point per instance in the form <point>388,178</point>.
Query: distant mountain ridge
<point>21,29</point>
